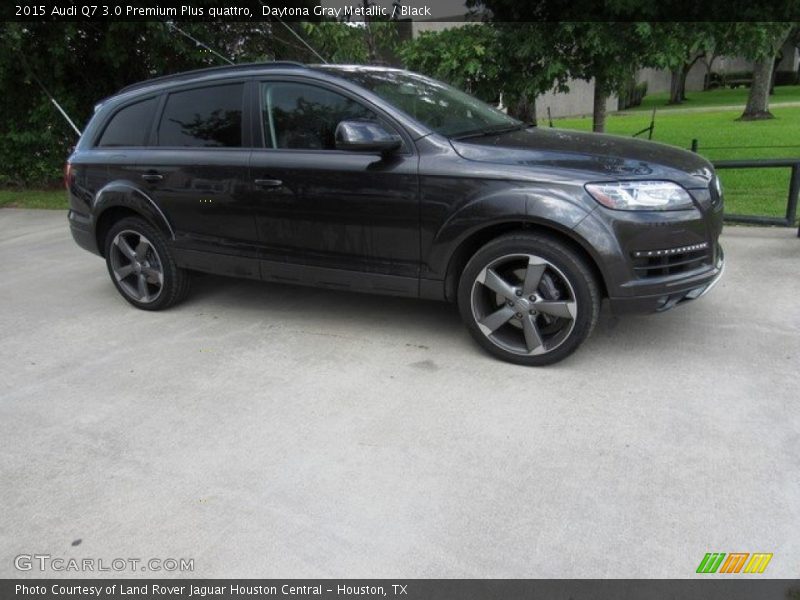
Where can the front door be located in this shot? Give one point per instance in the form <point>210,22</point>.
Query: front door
<point>347,219</point>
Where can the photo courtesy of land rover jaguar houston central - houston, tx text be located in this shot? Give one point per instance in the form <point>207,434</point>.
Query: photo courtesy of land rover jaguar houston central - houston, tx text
<point>380,180</point>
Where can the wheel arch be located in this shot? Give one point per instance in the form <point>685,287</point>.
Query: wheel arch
<point>120,200</point>
<point>477,239</point>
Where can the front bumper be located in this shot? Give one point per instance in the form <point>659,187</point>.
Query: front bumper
<point>672,294</point>
<point>652,261</point>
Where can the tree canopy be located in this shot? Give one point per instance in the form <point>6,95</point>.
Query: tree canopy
<point>82,62</point>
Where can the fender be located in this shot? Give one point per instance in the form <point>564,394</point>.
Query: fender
<point>125,194</point>
<point>548,207</point>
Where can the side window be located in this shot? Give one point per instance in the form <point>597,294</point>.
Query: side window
<point>208,116</point>
<point>130,125</point>
<point>301,116</point>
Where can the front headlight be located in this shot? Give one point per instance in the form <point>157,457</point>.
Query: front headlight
<point>640,195</point>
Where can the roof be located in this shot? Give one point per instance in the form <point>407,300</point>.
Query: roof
<point>188,75</point>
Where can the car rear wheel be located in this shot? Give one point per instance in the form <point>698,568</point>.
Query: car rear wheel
<point>528,299</point>
<point>142,267</point>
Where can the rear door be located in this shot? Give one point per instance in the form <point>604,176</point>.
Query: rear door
<point>122,143</point>
<point>197,169</point>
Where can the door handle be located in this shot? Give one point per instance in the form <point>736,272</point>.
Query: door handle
<point>268,183</point>
<point>152,176</point>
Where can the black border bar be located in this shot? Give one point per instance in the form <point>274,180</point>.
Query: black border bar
<point>425,10</point>
<point>702,588</point>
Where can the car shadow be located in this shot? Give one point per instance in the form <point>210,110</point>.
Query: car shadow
<point>428,323</point>
<point>212,292</point>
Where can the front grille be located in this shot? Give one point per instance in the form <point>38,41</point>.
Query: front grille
<point>670,261</point>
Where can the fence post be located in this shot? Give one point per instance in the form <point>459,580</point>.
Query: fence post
<point>794,191</point>
<point>694,145</point>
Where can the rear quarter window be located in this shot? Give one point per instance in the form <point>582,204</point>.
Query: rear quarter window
<point>130,125</point>
<point>206,117</point>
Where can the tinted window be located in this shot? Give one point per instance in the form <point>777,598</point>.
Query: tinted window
<point>304,116</point>
<point>209,116</point>
<point>130,125</point>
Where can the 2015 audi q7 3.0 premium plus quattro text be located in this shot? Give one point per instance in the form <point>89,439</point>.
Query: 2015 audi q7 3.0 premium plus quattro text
<point>381,180</point>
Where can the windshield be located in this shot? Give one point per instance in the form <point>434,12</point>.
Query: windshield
<point>442,108</point>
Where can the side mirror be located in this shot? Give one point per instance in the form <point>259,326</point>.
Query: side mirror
<point>365,136</point>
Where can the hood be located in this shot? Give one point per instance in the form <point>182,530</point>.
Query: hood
<point>598,157</point>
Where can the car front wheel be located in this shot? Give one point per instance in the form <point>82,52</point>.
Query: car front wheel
<point>528,299</point>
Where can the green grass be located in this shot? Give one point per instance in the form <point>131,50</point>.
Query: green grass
<point>718,97</point>
<point>56,199</point>
<point>747,191</point>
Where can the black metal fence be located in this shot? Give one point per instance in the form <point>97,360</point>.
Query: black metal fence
<point>790,217</point>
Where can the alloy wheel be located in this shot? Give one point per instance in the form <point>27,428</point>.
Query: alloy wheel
<point>136,266</point>
<point>524,304</point>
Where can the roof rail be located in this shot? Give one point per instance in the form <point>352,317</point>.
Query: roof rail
<point>219,69</point>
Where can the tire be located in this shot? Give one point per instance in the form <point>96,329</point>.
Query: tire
<point>142,267</point>
<point>528,299</point>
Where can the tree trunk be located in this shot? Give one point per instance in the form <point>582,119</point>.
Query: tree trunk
<point>684,75</point>
<point>707,77</point>
<point>709,64</point>
<point>676,82</point>
<point>370,38</point>
<point>599,109</point>
<point>523,109</point>
<point>775,64</point>
<point>685,70</point>
<point>758,100</point>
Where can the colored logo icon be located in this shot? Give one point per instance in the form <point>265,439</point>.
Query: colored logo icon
<point>735,562</point>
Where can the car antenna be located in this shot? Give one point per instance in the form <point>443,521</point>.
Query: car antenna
<point>299,37</point>
<point>172,25</point>
<point>50,96</point>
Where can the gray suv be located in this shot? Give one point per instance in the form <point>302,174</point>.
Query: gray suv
<point>385,181</point>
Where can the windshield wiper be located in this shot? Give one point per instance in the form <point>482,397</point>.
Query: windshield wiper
<point>489,131</point>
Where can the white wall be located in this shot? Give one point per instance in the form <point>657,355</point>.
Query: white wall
<point>658,79</point>
<point>726,64</point>
<point>578,101</point>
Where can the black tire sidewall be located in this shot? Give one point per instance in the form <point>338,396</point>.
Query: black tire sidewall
<point>573,267</point>
<point>174,285</point>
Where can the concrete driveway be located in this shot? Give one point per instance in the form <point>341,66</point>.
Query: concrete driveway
<point>274,431</point>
